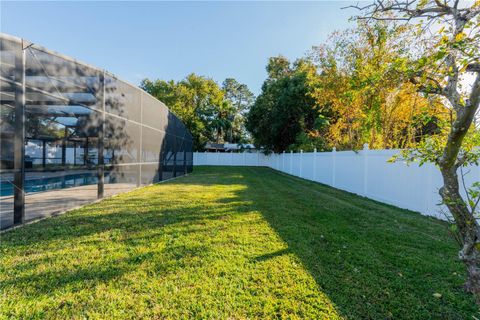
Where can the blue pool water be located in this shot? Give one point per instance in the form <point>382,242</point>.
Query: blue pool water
<point>51,183</point>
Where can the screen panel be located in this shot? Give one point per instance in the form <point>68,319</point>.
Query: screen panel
<point>122,99</point>
<point>168,159</point>
<point>122,140</point>
<point>154,113</point>
<point>121,178</point>
<point>151,173</point>
<point>63,119</point>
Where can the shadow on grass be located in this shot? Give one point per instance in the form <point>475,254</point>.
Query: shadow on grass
<point>373,261</point>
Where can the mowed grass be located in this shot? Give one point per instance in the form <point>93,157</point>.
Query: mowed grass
<point>233,243</point>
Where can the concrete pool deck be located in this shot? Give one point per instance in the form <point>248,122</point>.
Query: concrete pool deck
<point>49,203</point>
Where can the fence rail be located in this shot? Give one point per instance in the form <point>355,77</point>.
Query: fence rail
<point>367,173</point>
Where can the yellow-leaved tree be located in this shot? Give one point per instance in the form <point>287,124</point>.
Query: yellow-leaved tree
<point>369,100</point>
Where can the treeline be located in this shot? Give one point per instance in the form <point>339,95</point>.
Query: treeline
<point>347,92</point>
<point>344,93</point>
<point>212,113</point>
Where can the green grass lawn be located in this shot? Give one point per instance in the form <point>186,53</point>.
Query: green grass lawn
<point>233,243</point>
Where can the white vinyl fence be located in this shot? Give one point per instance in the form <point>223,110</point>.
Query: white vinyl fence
<point>367,173</point>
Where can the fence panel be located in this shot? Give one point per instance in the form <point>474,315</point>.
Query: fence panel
<point>324,168</point>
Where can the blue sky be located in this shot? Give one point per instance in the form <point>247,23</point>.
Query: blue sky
<point>168,40</point>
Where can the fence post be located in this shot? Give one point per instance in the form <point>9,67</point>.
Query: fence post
<point>301,163</point>
<point>365,169</point>
<point>334,164</point>
<point>291,162</point>
<point>244,158</point>
<point>314,164</point>
<point>283,161</point>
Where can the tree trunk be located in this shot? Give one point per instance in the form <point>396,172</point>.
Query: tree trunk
<point>468,228</point>
<point>219,135</point>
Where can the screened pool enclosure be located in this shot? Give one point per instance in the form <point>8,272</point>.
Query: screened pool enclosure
<point>72,133</point>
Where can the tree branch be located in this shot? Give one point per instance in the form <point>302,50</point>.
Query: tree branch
<point>470,14</point>
<point>473,67</point>
<point>474,99</point>
<point>405,7</point>
<point>460,126</point>
<point>451,89</point>
<point>434,89</point>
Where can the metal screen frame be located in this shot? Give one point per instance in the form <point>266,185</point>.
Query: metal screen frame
<point>125,133</point>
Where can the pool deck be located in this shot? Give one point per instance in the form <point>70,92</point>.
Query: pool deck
<point>49,203</point>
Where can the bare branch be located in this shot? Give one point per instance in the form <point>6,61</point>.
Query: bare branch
<point>373,11</point>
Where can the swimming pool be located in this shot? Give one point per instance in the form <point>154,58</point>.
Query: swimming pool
<point>51,183</point>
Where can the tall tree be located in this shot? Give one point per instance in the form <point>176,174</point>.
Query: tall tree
<point>370,101</point>
<point>196,100</point>
<point>241,99</point>
<point>222,121</point>
<point>285,116</point>
<point>452,54</point>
